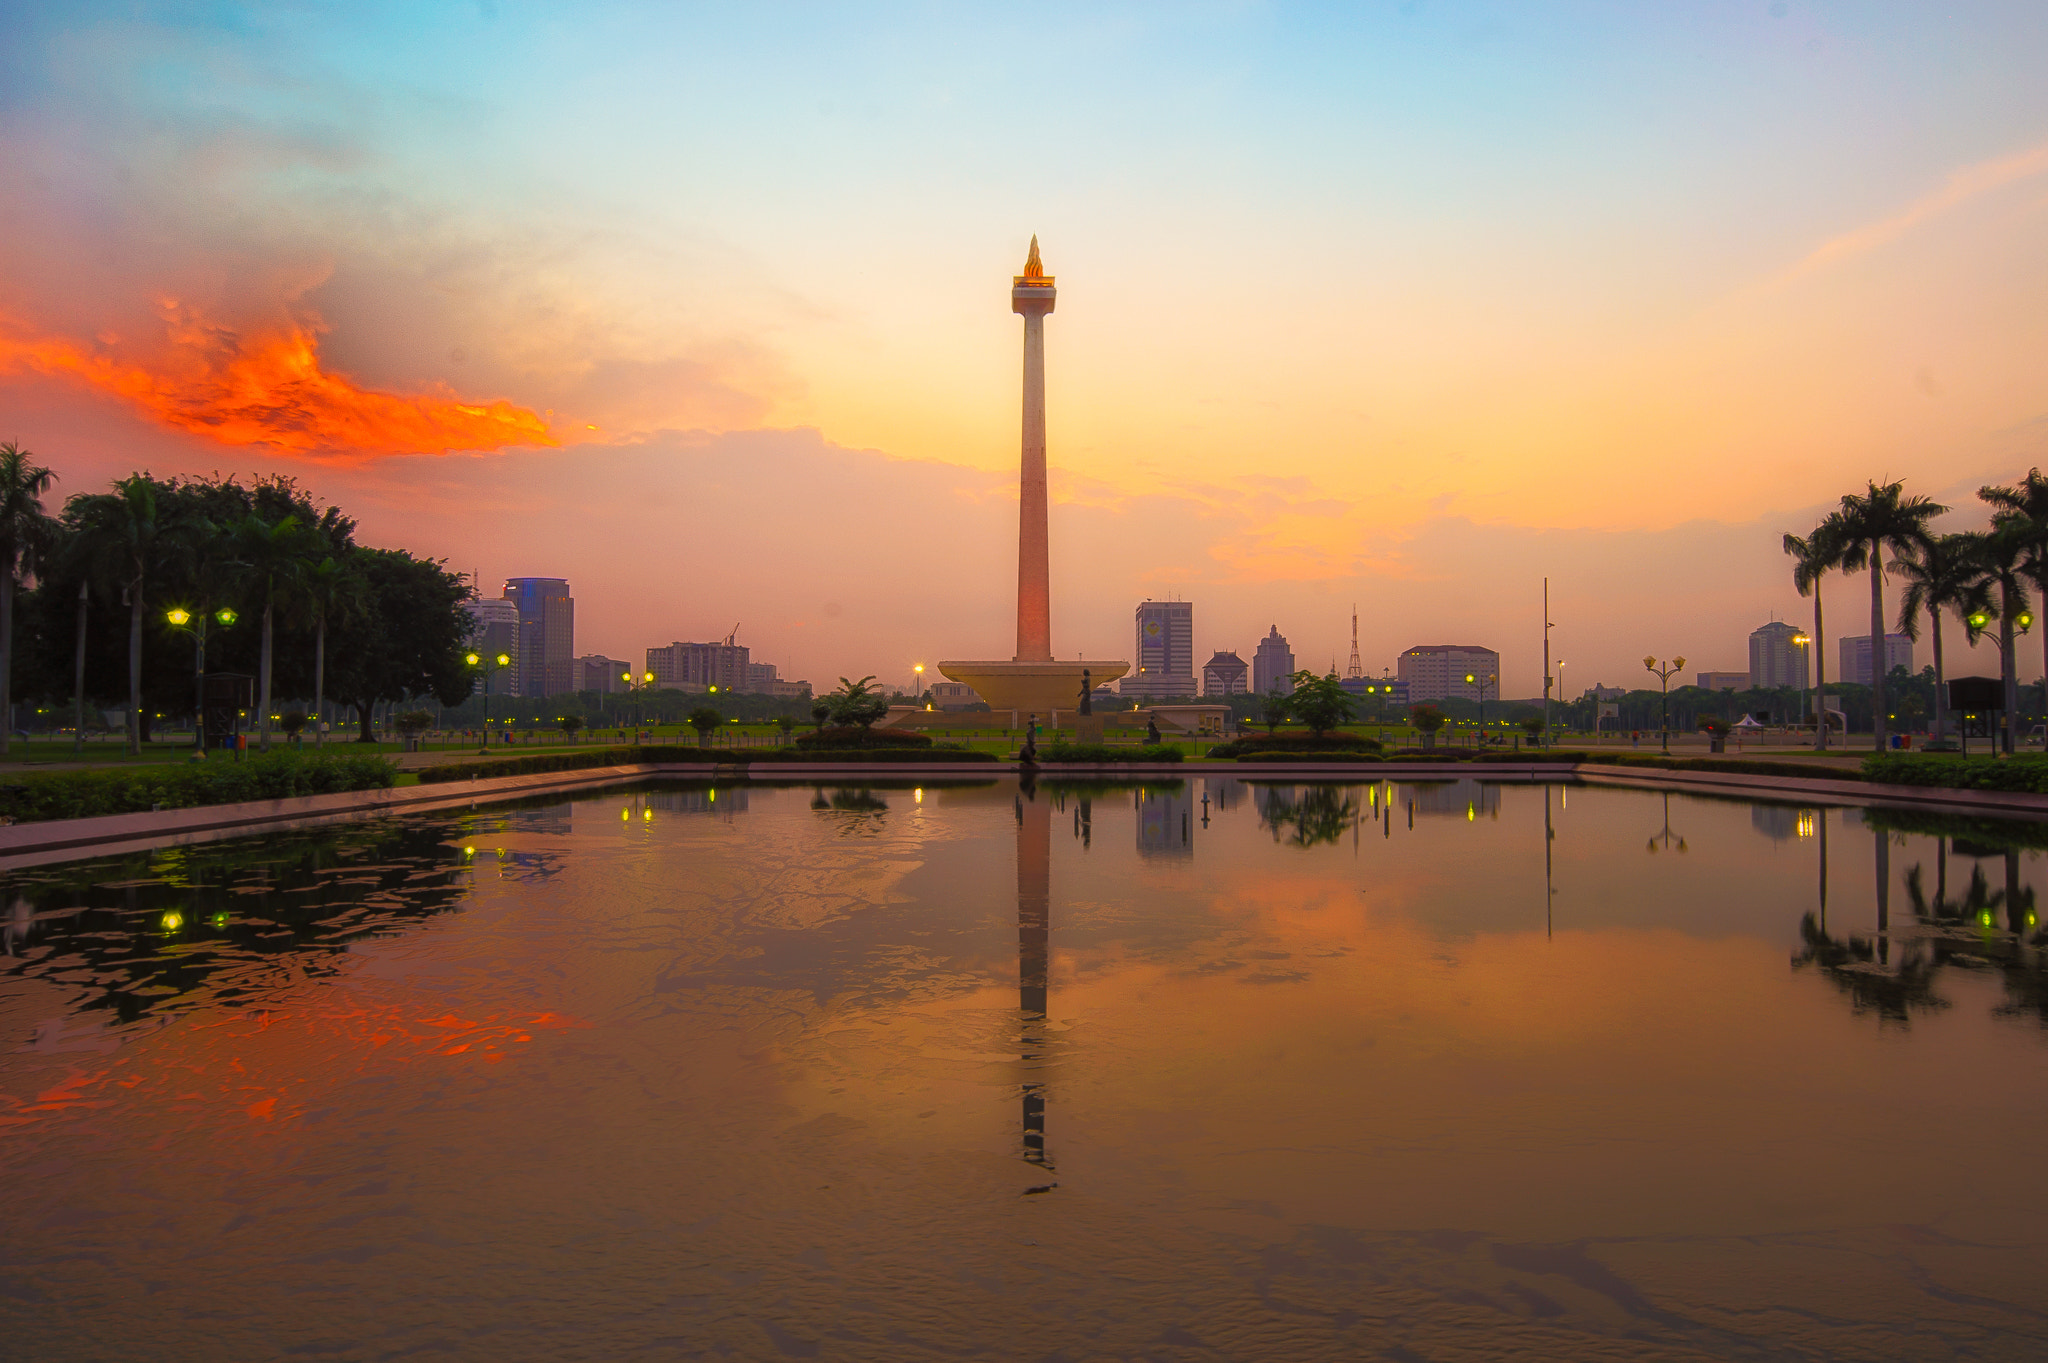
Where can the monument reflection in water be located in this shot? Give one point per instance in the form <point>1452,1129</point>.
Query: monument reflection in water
<point>1237,1068</point>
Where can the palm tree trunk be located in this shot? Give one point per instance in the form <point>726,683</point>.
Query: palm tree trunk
<point>1820,671</point>
<point>135,667</point>
<point>2007,666</point>
<point>263,714</point>
<point>1940,692</point>
<point>6,661</point>
<point>1877,715</point>
<point>78,675</point>
<point>320,683</point>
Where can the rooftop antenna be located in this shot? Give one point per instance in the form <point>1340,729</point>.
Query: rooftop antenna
<point>1353,669</point>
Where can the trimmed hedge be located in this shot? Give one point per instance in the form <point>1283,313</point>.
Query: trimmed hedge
<point>1958,773</point>
<point>935,753</point>
<point>217,781</point>
<point>486,768</point>
<point>844,736</point>
<point>1353,758</point>
<point>1060,754</point>
<point>1293,743</point>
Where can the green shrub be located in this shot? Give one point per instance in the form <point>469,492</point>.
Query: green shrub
<point>216,781</point>
<point>486,768</point>
<point>1959,773</point>
<point>1060,753</point>
<point>912,755</point>
<point>1311,755</point>
<point>1272,743</point>
<point>844,736</point>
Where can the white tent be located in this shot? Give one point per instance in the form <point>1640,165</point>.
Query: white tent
<point>1748,722</point>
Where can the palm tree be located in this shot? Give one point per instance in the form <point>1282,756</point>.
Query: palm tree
<point>2027,500</point>
<point>2003,557</point>
<point>1812,558</point>
<point>1944,576</point>
<point>327,591</point>
<point>271,557</point>
<point>1882,518</point>
<point>25,535</point>
<point>125,533</point>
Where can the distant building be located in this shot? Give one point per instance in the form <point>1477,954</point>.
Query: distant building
<point>1774,660</point>
<point>1724,681</point>
<point>1378,690</point>
<point>1166,822</point>
<point>951,695</point>
<point>546,661</point>
<point>1898,652</point>
<point>1225,675</point>
<point>1438,672</point>
<point>1165,662</point>
<point>594,672</point>
<point>1273,665</point>
<point>1605,692</point>
<point>494,630</point>
<point>695,667</point>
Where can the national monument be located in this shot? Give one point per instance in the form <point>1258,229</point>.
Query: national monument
<point>1033,682</point>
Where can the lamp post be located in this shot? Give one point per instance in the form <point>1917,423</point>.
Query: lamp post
<point>633,688</point>
<point>1664,676</point>
<point>1801,641</point>
<point>918,685</point>
<point>2021,620</point>
<point>1560,697</point>
<point>186,622</point>
<point>1472,678</point>
<point>487,666</point>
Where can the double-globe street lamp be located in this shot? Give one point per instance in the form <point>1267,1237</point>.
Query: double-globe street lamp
<point>487,666</point>
<point>186,622</point>
<point>1664,676</point>
<point>634,687</point>
<point>2020,621</point>
<point>1472,678</point>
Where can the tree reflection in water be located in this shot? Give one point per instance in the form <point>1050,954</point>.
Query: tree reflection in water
<point>1984,928</point>
<point>1319,814</point>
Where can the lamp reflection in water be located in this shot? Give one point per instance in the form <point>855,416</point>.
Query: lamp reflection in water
<point>1034,927</point>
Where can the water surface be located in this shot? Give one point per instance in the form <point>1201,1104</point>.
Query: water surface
<point>1195,1071</point>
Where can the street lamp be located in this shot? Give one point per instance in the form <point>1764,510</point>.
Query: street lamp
<point>2023,619</point>
<point>1800,641</point>
<point>186,622</point>
<point>1664,676</point>
<point>487,667</point>
<point>1470,679</point>
<point>1560,694</point>
<point>919,683</point>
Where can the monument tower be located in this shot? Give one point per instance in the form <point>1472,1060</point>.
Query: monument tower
<point>1033,681</point>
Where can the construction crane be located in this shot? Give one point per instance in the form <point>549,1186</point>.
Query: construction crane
<point>732,639</point>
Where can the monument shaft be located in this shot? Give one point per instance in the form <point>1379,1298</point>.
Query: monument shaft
<point>1033,297</point>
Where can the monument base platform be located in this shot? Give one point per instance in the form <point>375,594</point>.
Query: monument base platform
<point>1032,688</point>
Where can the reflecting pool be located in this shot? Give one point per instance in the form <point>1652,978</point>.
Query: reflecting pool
<point>1191,1070</point>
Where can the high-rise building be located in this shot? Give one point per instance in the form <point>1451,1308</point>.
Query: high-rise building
<point>595,672</point>
<point>494,630</point>
<point>1898,652</point>
<point>546,661</point>
<point>1166,651</point>
<point>1438,672</point>
<point>1774,659</point>
<point>1273,665</point>
<point>699,667</point>
<point>1225,675</point>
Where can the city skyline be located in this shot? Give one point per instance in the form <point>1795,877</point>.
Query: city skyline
<point>288,241</point>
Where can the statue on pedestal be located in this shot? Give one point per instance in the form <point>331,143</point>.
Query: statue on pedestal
<point>1087,694</point>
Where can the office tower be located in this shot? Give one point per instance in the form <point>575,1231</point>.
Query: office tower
<point>546,661</point>
<point>699,667</point>
<point>494,630</point>
<point>1898,652</point>
<point>1774,659</point>
<point>1225,675</point>
<point>1438,672</point>
<point>1273,665</point>
<point>1166,650</point>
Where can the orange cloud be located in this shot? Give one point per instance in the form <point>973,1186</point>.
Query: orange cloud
<point>270,390</point>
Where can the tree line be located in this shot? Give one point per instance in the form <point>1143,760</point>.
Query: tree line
<point>130,595</point>
<point>1980,577</point>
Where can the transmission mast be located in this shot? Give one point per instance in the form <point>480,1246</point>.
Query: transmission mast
<point>1354,670</point>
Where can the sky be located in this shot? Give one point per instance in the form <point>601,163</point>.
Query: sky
<point>1406,306</point>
